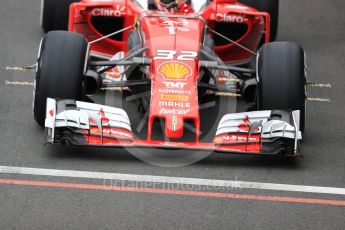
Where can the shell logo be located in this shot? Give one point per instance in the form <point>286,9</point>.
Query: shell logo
<point>174,70</point>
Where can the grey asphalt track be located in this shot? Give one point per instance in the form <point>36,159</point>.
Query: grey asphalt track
<point>317,25</point>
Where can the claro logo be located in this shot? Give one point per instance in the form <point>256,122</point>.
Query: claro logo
<point>230,18</point>
<point>119,11</point>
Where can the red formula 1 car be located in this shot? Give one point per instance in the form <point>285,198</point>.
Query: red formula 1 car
<point>208,79</point>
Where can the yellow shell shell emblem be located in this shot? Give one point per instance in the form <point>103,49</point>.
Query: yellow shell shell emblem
<point>174,70</point>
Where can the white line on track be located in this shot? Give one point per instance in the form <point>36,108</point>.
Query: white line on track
<point>172,180</point>
<point>19,83</point>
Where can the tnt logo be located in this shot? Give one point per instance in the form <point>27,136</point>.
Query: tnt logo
<point>174,85</point>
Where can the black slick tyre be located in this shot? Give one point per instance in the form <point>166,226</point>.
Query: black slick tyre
<point>60,70</point>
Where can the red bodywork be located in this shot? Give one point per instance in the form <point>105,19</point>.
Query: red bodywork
<point>174,95</point>
<point>128,12</point>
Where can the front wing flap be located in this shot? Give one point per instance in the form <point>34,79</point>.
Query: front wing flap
<point>258,132</point>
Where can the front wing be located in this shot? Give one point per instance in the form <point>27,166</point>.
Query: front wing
<point>259,132</point>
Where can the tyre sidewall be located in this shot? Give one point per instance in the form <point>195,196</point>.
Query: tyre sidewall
<point>281,78</point>
<point>60,70</point>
